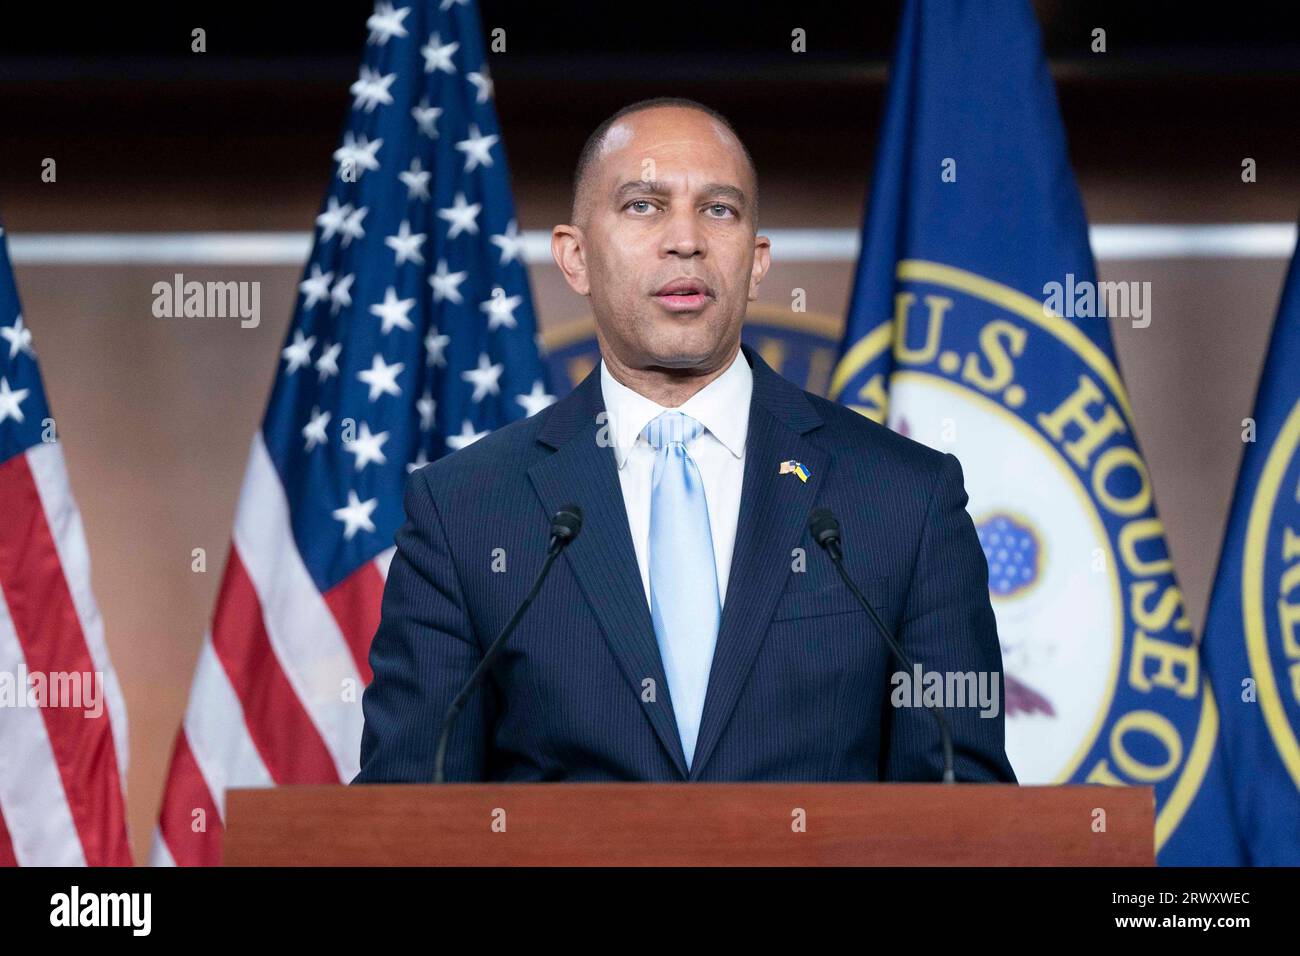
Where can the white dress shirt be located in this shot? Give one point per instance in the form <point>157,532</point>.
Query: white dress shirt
<point>722,407</point>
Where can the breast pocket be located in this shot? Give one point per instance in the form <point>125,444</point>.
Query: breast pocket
<point>834,598</point>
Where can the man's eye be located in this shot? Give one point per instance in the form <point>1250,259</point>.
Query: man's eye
<point>725,209</point>
<point>638,202</point>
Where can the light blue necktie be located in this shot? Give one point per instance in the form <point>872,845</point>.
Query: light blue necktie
<point>683,577</point>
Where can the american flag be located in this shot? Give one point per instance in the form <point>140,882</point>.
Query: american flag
<point>413,336</point>
<point>63,747</point>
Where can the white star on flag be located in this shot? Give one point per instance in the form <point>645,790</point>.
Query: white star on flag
<point>483,83</point>
<point>381,378</point>
<point>358,154</point>
<point>476,147</point>
<point>535,400</point>
<point>467,436</point>
<point>356,515</point>
<point>351,228</point>
<point>328,364</point>
<point>18,337</point>
<point>367,447</point>
<point>341,294</point>
<point>484,378</point>
<point>317,287</point>
<point>299,353</point>
<point>386,23</point>
<point>406,245</point>
<point>420,461</point>
<point>426,118</point>
<point>501,309</point>
<point>11,400</point>
<point>314,430</point>
<point>371,89</point>
<point>446,285</point>
<point>434,345</point>
<point>416,180</point>
<point>437,56</point>
<point>462,216</point>
<point>426,406</point>
<point>393,311</point>
<point>510,242</point>
<point>332,219</point>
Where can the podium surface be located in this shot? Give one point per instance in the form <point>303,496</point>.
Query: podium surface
<point>690,824</point>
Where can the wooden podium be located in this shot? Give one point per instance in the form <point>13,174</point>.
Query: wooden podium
<point>681,824</point>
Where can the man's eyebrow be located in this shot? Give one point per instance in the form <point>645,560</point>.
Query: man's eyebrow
<point>726,190</point>
<point>653,188</point>
<point>649,186</point>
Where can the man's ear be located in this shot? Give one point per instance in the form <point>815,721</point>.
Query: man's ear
<point>568,249</point>
<point>762,260</point>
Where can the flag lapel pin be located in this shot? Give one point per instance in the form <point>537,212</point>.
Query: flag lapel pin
<point>793,467</point>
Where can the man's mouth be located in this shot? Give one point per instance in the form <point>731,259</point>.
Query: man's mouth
<point>684,295</point>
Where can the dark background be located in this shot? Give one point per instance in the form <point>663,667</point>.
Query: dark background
<point>114,91</point>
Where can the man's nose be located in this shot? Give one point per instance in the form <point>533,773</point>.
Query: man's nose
<point>683,235</point>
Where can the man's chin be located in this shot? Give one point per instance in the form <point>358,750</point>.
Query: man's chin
<point>678,363</point>
<point>679,358</point>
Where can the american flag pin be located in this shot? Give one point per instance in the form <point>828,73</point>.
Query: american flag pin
<point>793,467</point>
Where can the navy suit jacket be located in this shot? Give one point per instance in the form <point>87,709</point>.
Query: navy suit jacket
<point>800,682</point>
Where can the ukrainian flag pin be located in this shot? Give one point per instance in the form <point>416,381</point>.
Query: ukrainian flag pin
<point>793,467</point>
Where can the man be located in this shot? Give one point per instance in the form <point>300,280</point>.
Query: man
<point>693,630</point>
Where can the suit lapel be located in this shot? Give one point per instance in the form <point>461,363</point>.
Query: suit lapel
<point>774,511</point>
<point>583,471</point>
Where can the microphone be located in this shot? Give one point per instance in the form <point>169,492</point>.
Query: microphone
<point>826,532</point>
<point>565,525</point>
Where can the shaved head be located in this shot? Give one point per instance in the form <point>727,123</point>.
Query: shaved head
<point>614,133</point>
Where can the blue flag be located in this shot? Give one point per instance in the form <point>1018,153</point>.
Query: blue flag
<point>977,326</point>
<point>1252,636</point>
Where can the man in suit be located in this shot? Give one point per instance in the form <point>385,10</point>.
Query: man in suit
<point>693,630</point>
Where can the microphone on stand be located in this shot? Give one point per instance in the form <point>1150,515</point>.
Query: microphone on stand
<point>825,530</point>
<point>565,526</point>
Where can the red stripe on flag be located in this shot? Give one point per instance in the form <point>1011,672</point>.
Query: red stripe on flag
<point>49,633</point>
<point>279,725</point>
<point>7,856</point>
<point>187,792</point>
<point>354,602</point>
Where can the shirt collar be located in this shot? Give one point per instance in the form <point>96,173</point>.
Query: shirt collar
<point>722,407</point>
